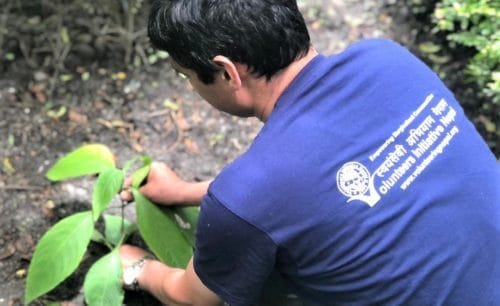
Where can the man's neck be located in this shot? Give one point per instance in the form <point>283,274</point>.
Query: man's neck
<point>267,93</point>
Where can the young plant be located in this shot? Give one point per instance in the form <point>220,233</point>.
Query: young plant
<point>168,232</point>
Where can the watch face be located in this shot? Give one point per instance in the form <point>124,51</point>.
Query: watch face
<point>129,276</point>
<point>131,273</point>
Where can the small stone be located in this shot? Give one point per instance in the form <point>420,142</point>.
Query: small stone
<point>21,273</point>
<point>40,76</point>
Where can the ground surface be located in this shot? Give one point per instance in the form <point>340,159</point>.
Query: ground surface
<point>127,112</point>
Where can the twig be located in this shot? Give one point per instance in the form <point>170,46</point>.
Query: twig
<point>158,113</point>
<point>180,134</point>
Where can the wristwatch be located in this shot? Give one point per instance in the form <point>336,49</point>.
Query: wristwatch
<point>132,272</point>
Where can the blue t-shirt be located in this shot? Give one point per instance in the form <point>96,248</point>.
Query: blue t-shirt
<point>367,185</point>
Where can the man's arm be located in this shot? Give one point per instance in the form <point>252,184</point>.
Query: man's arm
<point>163,186</point>
<point>172,286</point>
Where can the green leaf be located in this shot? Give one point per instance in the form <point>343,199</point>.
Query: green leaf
<point>142,173</point>
<point>159,230</point>
<point>108,184</point>
<point>186,218</point>
<point>98,237</point>
<point>113,229</point>
<point>102,286</point>
<point>146,161</point>
<point>58,254</point>
<point>88,159</point>
<point>128,164</point>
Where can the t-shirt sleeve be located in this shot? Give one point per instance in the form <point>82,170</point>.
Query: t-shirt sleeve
<point>232,258</point>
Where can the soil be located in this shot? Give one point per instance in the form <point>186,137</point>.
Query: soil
<point>125,109</point>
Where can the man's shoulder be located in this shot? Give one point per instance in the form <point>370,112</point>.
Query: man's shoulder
<point>242,177</point>
<point>383,46</point>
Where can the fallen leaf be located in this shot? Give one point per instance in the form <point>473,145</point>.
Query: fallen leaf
<point>56,114</point>
<point>171,105</point>
<point>107,124</point>
<point>8,166</point>
<point>114,124</point>
<point>136,146</point>
<point>181,121</point>
<point>66,77</point>
<point>316,25</point>
<point>191,145</point>
<point>121,124</point>
<point>10,141</point>
<point>77,117</point>
<point>38,90</point>
<point>120,75</point>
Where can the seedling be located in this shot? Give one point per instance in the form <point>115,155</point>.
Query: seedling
<point>168,232</point>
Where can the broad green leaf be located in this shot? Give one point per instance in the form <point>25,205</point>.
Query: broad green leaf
<point>128,164</point>
<point>58,254</point>
<point>107,186</point>
<point>113,229</point>
<point>159,230</point>
<point>142,173</point>
<point>186,218</point>
<point>102,286</point>
<point>98,237</point>
<point>88,159</point>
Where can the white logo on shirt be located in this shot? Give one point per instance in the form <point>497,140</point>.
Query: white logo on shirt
<point>354,181</point>
<point>406,153</point>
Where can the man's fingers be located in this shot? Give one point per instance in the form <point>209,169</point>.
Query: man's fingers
<point>126,196</point>
<point>128,182</point>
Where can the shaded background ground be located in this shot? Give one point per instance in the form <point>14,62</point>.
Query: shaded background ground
<point>146,110</point>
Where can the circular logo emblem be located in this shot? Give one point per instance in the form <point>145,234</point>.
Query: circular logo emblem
<point>353,179</point>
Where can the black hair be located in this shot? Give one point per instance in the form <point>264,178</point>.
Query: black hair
<point>265,35</point>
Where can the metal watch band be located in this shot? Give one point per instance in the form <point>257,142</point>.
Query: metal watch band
<point>132,272</point>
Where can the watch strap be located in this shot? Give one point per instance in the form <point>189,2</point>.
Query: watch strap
<point>131,273</point>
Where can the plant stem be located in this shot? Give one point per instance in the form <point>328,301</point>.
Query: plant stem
<point>122,226</point>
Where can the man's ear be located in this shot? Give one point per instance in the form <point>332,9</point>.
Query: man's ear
<point>230,71</point>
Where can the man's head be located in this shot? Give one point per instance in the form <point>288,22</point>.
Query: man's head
<point>264,35</point>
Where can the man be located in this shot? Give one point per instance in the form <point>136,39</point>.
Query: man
<point>366,185</point>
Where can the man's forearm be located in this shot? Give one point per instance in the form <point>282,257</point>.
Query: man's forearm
<point>194,192</point>
<point>174,286</point>
<point>157,278</point>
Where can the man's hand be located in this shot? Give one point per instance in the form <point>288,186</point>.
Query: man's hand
<point>130,254</point>
<point>163,186</point>
<point>172,286</point>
